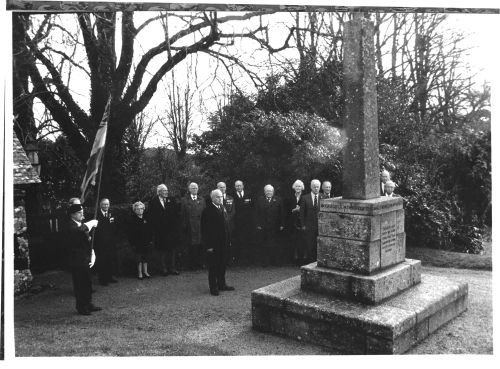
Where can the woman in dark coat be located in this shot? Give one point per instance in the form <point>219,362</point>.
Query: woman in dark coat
<point>140,236</point>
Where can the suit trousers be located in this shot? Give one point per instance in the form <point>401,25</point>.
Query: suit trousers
<point>82,287</point>
<point>216,263</point>
<point>311,239</point>
<point>104,264</point>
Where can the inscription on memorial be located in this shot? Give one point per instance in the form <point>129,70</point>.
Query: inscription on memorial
<point>388,238</point>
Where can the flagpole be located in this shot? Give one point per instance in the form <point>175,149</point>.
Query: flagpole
<point>98,195</point>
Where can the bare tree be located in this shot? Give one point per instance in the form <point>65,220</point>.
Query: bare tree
<point>110,74</point>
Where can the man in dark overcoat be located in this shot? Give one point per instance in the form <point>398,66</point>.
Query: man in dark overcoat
<point>243,235</point>
<point>192,206</point>
<point>215,239</point>
<point>162,214</point>
<point>105,243</point>
<point>270,221</point>
<point>309,210</point>
<point>81,258</point>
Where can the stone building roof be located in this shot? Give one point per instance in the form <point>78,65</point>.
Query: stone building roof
<point>24,173</point>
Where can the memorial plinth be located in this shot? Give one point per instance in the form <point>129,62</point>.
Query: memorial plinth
<point>361,296</point>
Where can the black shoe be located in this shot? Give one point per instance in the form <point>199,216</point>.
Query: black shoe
<point>214,292</point>
<point>84,312</point>
<point>140,277</point>
<point>226,288</point>
<point>93,308</point>
<point>102,283</point>
<point>147,276</point>
<point>174,272</point>
<point>112,280</point>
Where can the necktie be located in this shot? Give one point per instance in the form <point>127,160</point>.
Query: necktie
<point>315,201</point>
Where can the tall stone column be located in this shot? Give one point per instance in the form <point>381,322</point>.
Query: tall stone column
<point>361,175</point>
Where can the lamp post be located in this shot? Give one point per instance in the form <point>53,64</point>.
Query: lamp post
<point>32,153</point>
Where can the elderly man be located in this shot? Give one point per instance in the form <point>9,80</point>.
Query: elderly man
<point>389,189</point>
<point>105,243</point>
<point>243,231</point>
<point>326,187</point>
<point>163,217</point>
<point>215,239</point>
<point>81,258</point>
<point>384,177</point>
<point>309,209</point>
<point>270,221</point>
<point>192,206</point>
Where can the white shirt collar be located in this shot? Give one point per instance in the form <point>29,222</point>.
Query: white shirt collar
<point>77,222</point>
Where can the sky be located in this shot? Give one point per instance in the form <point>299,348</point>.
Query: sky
<point>479,29</point>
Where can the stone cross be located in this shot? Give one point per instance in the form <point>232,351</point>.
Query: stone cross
<point>361,177</point>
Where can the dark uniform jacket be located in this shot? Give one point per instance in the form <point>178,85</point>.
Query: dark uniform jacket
<point>309,214</point>
<point>164,220</point>
<point>269,215</point>
<point>191,217</point>
<point>105,233</point>
<point>243,207</point>
<point>78,244</point>
<point>215,229</point>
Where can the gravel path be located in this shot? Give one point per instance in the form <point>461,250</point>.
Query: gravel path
<point>176,316</point>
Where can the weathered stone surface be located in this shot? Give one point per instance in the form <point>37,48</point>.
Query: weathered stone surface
<point>400,221</point>
<point>429,296</point>
<point>361,181</point>
<point>368,289</point>
<point>351,226</point>
<point>348,255</point>
<point>391,327</point>
<point>374,206</point>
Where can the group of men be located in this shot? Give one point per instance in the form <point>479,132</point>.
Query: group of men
<point>213,230</point>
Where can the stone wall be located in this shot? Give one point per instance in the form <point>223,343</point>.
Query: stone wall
<point>22,274</point>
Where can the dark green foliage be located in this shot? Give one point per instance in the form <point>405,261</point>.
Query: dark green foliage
<point>315,90</point>
<point>275,148</point>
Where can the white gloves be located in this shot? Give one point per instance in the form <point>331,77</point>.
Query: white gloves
<point>92,258</point>
<point>91,224</point>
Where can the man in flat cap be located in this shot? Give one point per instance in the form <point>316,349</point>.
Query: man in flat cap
<point>81,258</point>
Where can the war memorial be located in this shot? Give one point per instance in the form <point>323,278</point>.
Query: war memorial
<point>361,296</point>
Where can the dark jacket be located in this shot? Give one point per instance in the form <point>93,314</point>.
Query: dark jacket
<point>243,216</point>
<point>323,195</point>
<point>230,206</point>
<point>214,229</point>
<point>164,220</point>
<point>309,214</point>
<point>292,219</point>
<point>270,216</point>
<point>78,244</point>
<point>140,233</point>
<point>105,232</point>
